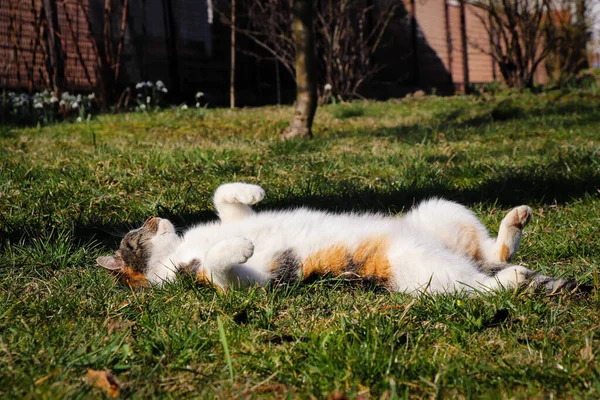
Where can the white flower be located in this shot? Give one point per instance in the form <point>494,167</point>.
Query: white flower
<point>139,85</point>
<point>38,105</point>
<point>75,105</point>
<point>91,96</point>
<point>62,103</point>
<point>327,87</point>
<point>143,107</point>
<point>149,84</point>
<point>164,90</point>
<point>148,99</point>
<point>79,119</point>
<point>53,99</point>
<point>197,105</point>
<point>159,84</point>
<point>199,94</point>
<point>184,107</point>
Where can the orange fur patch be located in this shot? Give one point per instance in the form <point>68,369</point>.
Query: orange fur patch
<point>504,253</point>
<point>331,260</point>
<point>469,243</point>
<point>371,259</point>
<point>203,277</point>
<point>132,278</point>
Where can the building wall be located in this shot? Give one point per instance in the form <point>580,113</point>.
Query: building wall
<point>24,48</point>
<point>194,53</point>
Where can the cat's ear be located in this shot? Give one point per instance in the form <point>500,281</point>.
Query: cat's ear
<point>152,224</point>
<point>110,262</point>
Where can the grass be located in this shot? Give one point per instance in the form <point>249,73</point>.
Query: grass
<point>67,192</point>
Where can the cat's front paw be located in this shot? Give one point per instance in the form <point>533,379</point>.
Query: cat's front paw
<point>240,250</point>
<point>242,193</point>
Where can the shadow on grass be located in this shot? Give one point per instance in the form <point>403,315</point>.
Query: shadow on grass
<point>532,185</point>
<point>521,187</point>
<point>517,189</point>
<point>572,113</point>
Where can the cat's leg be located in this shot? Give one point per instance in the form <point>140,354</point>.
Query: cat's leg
<point>233,200</point>
<point>221,259</point>
<point>461,231</point>
<point>504,248</point>
<point>452,224</point>
<point>515,275</point>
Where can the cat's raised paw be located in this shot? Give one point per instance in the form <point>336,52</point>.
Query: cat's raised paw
<point>519,216</point>
<point>239,193</point>
<point>240,249</point>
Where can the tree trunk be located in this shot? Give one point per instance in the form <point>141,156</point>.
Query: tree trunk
<point>55,50</point>
<point>306,77</point>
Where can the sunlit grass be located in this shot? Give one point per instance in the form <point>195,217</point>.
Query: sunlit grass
<point>68,191</point>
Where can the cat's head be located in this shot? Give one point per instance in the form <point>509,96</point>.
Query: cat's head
<point>139,250</point>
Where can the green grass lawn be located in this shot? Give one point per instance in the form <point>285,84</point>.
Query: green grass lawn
<point>69,191</point>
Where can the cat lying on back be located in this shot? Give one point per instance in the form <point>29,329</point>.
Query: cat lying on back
<point>439,246</point>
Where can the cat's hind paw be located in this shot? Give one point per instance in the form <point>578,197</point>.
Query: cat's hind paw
<point>518,217</point>
<point>239,193</point>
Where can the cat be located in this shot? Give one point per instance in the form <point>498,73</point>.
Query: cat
<point>437,247</point>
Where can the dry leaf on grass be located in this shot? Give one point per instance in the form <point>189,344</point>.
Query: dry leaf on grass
<point>105,381</point>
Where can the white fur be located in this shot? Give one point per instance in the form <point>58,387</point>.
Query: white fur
<point>422,252</point>
<point>232,200</point>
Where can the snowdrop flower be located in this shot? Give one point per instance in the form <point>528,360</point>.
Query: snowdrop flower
<point>143,107</point>
<point>139,85</point>
<point>75,105</point>
<point>199,94</point>
<point>160,84</point>
<point>62,103</point>
<point>164,90</point>
<point>327,87</point>
<point>184,107</point>
<point>38,105</point>
<point>197,105</point>
<point>91,96</point>
<point>79,119</point>
<point>53,99</point>
<point>149,84</point>
<point>148,99</point>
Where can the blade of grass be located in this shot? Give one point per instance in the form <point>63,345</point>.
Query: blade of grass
<point>225,347</point>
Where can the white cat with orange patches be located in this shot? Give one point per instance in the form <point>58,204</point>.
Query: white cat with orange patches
<point>439,246</point>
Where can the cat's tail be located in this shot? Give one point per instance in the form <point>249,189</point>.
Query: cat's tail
<point>513,276</point>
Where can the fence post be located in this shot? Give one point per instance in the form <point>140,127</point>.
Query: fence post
<point>232,67</point>
<point>415,42</point>
<point>171,42</point>
<point>448,40</point>
<point>463,34</point>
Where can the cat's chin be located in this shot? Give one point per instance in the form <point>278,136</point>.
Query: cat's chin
<point>165,243</point>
